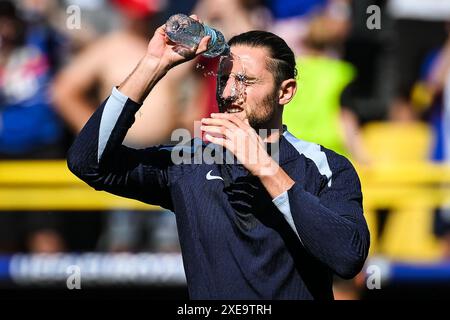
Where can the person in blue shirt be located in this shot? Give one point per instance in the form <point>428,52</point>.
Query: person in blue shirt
<point>276,222</point>
<point>29,127</point>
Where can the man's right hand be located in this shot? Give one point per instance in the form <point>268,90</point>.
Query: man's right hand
<point>168,53</point>
<point>161,56</point>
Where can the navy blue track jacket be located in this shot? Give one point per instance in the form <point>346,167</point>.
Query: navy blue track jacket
<point>236,241</point>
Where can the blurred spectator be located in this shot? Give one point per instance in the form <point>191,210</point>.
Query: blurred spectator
<point>435,92</point>
<point>41,31</point>
<point>98,18</point>
<point>367,96</point>
<point>80,21</point>
<point>232,17</point>
<point>444,80</point>
<point>370,92</point>
<point>29,128</point>
<point>419,29</point>
<point>290,15</point>
<point>315,113</point>
<point>291,19</point>
<point>91,75</point>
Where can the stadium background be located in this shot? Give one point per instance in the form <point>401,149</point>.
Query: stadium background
<point>374,84</point>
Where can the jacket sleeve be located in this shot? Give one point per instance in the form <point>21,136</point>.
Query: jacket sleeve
<point>331,225</point>
<point>98,157</point>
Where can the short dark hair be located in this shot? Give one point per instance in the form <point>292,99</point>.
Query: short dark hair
<point>282,62</point>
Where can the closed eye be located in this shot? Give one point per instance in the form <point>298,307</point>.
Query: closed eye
<point>245,79</point>
<point>239,77</point>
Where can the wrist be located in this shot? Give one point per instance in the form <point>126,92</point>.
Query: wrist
<point>277,182</point>
<point>143,78</point>
<point>155,66</point>
<point>265,168</point>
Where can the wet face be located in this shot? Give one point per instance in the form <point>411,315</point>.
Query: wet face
<point>246,87</point>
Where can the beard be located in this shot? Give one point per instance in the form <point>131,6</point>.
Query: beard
<point>262,113</point>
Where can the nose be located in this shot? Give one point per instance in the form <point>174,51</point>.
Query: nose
<point>228,89</point>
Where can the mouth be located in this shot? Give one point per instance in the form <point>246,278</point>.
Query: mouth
<point>233,109</point>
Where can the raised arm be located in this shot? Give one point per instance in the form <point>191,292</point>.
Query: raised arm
<point>98,157</point>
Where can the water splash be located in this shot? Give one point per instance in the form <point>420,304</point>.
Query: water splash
<point>239,93</point>
<point>227,72</point>
<point>199,66</point>
<point>233,89</point>
<point>210,73</point>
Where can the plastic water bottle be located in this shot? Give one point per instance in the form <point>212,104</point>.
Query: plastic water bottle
<point>185,31</point>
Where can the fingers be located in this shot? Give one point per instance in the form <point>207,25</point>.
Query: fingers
<point>161,29</point>
<point>203,45</point>
<point>162,32</point>
<point>219,131</point>
<point>233,118</point>
<point>216,130</point>
<point>219,122</point>
<point>183,51</point>
<point>217,126</point>
<point>195,17</point>
<point>217,140</point>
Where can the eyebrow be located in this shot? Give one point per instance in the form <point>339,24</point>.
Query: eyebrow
<point>245,75</point>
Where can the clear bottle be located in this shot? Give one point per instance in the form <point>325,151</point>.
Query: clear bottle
<point>188,32</point>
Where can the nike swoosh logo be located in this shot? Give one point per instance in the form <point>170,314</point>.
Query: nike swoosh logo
<point>210,177</point>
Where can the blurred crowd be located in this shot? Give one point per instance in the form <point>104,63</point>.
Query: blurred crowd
<point>358,61</point>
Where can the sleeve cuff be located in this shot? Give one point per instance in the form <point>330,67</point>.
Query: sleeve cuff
<point>281,199</point>
<point>282,203</point>
<point>119,95</point>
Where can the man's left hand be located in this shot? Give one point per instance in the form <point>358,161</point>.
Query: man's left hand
<point>237,136</point>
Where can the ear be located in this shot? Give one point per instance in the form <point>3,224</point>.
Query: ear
<point>287,91</point>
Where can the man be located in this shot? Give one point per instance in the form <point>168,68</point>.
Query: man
<point>255,230</point>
